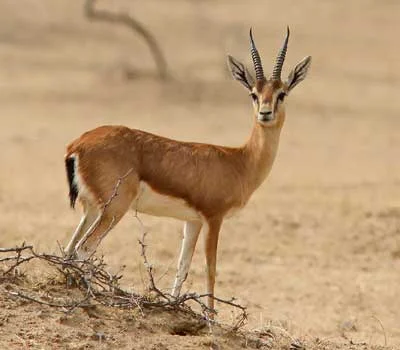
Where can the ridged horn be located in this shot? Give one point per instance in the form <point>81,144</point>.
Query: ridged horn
<point>276,73</point>
<point>256,58</point>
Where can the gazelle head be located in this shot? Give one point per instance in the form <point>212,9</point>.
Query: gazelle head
<point>268,95</point>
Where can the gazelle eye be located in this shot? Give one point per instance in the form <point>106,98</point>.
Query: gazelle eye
<point>254,97</point>
<point>281,97</point>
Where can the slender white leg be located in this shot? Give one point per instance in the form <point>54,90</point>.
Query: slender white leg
<point>86,221</point>
<point>191,232</point>
<point>76,236</point>
<point>85,253</point>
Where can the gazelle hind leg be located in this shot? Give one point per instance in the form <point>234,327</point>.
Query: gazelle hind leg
<point>92,238</point>
<point>211,244</point>
<point>88,218</point>
<point>191,232</point>
<point>117,204</point>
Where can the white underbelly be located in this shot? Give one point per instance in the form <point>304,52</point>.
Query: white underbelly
<point>151,202</point>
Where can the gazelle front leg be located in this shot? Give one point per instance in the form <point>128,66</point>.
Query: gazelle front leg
<point>191,232</point>
<point>211,244</point>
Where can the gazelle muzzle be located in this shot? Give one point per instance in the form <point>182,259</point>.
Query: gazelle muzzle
<point>265,115</point>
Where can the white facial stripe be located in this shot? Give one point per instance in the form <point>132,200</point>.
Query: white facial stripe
<point>266,110</point>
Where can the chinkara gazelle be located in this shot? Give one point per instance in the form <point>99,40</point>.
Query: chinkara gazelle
<point>198,183</point>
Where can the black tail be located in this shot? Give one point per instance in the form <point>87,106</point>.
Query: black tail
<point>73,189</point>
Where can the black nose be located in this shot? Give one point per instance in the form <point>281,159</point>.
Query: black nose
<point>266,116</point>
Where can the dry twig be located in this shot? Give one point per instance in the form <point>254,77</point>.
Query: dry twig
<point>98,286</point>
<point>124,19</point>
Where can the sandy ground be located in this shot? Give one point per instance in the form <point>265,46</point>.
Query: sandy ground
<point>317,249</point>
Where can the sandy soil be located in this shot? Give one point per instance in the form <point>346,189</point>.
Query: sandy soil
<point>317,250</point>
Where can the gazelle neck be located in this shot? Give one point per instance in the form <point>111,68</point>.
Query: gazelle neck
<point>260,150</point>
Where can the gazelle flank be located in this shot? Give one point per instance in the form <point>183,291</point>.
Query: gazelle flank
<point>200,184</point>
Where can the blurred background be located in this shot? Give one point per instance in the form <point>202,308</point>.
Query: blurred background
<point>318,246</point>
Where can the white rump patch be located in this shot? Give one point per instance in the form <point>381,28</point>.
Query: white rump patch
<point>83,191</point>
<point>151,202</point>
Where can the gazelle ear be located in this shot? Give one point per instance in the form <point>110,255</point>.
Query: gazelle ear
<point>240,73</point>
<point>299,73</point>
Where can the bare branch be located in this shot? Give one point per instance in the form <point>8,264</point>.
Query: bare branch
<point>116,188</point>
<point>93,13</point>
<point>383,328</point>
<point>17,261</point>
<point>16,249</point>
<point>98,286</point>
<point>149,267</point>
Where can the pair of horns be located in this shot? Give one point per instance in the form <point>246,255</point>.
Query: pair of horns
<point>276,73</point>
